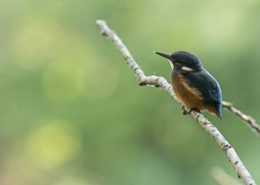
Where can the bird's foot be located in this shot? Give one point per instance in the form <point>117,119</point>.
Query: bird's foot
<point>184,111</point>
<point>194,109</point>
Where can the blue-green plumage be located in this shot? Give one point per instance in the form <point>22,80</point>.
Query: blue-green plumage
<point>207,86</point>
<point>194,86</point>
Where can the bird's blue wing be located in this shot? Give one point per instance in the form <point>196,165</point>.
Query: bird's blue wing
<point>207,85</point>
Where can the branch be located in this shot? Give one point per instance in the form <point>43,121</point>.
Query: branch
<point>247,119</point>
<point>161,82</point>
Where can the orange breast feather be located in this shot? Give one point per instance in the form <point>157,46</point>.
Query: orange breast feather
<point>188,96</point>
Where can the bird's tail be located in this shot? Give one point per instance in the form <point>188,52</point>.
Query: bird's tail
<point>219,111</point>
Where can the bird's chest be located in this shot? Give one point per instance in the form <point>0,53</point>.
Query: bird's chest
<point>187,95</point>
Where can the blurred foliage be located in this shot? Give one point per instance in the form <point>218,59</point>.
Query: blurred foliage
<point>71,111</point>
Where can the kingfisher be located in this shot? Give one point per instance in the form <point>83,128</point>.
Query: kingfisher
<point>193,85</point>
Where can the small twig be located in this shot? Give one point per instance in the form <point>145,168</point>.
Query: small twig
<point>222,178</point>
<point>247,119</point>
<point>163,84</point>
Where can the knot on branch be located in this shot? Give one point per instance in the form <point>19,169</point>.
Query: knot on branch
<point>104,30</point>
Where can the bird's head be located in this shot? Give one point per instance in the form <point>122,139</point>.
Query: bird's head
<point>183,60</point>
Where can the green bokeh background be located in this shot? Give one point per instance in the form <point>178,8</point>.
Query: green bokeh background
<point>72,113</point>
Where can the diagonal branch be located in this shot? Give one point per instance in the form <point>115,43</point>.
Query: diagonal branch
<point>247,119</point>
<point>163,84</point>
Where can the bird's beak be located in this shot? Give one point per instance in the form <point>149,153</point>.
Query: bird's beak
<point>163,55</point>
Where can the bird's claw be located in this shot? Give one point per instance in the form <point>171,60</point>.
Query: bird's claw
<point>185,112</point>
<point>194,109</point>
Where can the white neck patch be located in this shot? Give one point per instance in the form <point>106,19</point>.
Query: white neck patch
<point>188,69</point>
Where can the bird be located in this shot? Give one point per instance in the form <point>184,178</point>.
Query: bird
<point>194,86</point>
